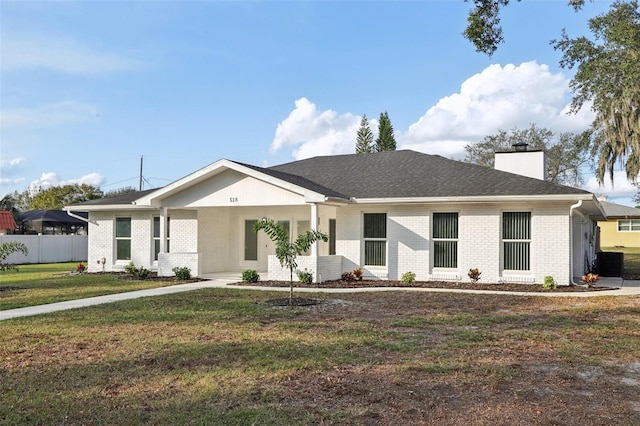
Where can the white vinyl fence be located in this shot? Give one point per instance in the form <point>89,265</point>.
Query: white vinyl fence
<point>49,248</point>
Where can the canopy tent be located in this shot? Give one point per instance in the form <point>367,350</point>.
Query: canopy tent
<point>52,222</point>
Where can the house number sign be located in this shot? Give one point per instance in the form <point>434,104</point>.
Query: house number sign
<point>233,199</point>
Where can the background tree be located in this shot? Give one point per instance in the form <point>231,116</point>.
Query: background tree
<point>386,141</point>
<point>286,250</point>
<point>608,75</point>
<point>119,191</point>
<point>56,197</point>
<point>9,203</point>
<point>566,153</point>
<point>483,23</point>
<point>364,139</point>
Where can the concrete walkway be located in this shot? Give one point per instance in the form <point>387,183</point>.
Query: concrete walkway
<point>629,288</point>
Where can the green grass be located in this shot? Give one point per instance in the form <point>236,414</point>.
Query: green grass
<point>631,260</point>
<point>37,284</point>
<point>220,356</point>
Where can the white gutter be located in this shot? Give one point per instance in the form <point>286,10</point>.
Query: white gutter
<point>474,199</point>
<point>84,219</point>
<point>571,248</point>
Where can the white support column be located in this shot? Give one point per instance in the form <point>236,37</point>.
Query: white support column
<point>163,229</point>
<point>314,227</point>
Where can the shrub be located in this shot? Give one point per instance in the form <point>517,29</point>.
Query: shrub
<point>140,274</point>
<point>408,278</point>
<point>143,273</point>
<point>549,283</point>
<point>305,276</point>
<point>7,249</point>
<point>182,273</point>
<point>250,276</point>
<point>355,275</point>
<point>131,269</point>
<point>81,268</point>
<point>474,274</point>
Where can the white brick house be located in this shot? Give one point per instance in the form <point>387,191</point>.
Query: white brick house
<point>389,213</point>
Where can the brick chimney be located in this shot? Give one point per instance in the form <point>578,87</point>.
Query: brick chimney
<point>522,161</point>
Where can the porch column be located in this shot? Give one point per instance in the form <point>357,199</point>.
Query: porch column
<point>163,229</point>
<point>314,227</point>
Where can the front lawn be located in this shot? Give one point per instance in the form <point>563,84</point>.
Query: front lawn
<point>225,357</point>
<point>38,284</point>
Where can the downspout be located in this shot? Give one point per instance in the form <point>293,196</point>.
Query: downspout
<point>571,248</point>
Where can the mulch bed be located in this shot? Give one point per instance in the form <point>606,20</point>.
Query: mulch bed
<point>530,288</point>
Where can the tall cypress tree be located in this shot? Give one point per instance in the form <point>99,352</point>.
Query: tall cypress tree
<point>364,140</point>
<point>386,141</point>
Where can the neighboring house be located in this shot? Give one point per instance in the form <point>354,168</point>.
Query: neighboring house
<point>7,223</point>
<point>389,213</point>
<point>622,227</point>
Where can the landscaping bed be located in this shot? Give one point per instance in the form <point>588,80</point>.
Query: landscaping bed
<point>511,287</point>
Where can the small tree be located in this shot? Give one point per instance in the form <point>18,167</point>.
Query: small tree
<point>287,250</point>
<point>8,248</point>
<point>386,140</point>
<point>364,140</point>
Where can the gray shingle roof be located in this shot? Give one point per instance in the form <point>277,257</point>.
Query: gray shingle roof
<point>400,174</point>
<point>127,198</point>
<point>614,210</point>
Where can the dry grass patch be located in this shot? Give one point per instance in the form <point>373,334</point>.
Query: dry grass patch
<point>226,357</point>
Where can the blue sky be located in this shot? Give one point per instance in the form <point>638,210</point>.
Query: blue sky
<point>87,88</point>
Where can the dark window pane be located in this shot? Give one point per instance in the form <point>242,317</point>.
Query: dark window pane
<point>516,256</point>
<point>250,241</point>
<point>375,225</point>
<point>445,254</point>
<point>123,249</point>
<point>332,236</point>
<point>156,227</point>
<point>516,225</point>
<point>375,253</point>
<point>123,227</point>
<point>445,225</point>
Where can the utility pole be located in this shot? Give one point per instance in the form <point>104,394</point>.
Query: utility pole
<point>140,185</point>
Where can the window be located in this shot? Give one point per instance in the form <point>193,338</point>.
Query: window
<point>375,239</point>
<point>516,240</point>
<point>629,225</point>
<point>156,236</point>
<point>123,238</point>
<point>332,236</point>
<point>445,240</point>
<point>285,224</point>
<point>250,240</point>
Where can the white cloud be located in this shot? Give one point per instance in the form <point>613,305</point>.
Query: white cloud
<point>312,132</point>
<point>11,162</point>
<point>8,168</point>
<point>60,54</point>
<point>48,114</point>
<point>49,179</point>
<point>621,187</point>
<point>498,98</point>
